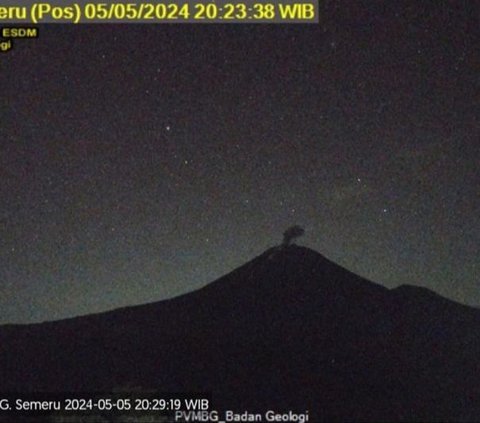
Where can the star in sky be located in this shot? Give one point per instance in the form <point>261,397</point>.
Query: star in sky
<point>121,162</point>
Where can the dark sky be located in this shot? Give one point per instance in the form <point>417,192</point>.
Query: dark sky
<point>138,162</point>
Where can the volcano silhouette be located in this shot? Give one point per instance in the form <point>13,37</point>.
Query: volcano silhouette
<point>290,330</point>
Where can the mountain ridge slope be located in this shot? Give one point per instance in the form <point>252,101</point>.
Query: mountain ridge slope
<point>289,330</point>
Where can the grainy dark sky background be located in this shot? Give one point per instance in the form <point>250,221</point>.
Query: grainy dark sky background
<point>141,162</point>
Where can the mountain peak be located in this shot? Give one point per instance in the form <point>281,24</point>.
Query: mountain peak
<point>288,330</point>
<point>289,271</point>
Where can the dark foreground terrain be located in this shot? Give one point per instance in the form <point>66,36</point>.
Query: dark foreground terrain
<point>289,330</point>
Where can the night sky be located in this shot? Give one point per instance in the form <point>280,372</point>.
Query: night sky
<point>139,162</point>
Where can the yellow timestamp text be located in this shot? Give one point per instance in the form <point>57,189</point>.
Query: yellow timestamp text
<point>288,11</point>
